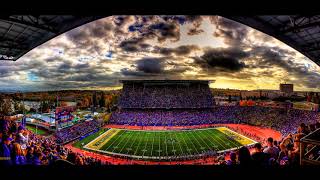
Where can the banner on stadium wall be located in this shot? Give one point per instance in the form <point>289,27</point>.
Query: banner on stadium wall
<point>274,104</point>
<point>309,106</point>
<point>247,103</point>
<point>226,103</point>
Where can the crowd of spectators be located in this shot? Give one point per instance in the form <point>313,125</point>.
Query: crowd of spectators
<point>166,96</point>
<point>282,120</point>
<point>19,146</point>
<point>74,132</point>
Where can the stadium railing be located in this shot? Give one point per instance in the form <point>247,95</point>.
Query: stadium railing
<point>310,149</point>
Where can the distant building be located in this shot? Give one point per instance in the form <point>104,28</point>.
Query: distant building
<point>286,88</point>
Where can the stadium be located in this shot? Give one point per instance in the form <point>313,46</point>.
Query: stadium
<point>157,120</point>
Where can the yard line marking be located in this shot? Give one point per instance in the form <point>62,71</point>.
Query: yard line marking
<point>192,133</point>
<point>179,143</point>
<point>123,137</point>
<point>186,144</point>
<point>215,139</point>
<point>165,142</point>
<point>159,145</point>
<point>174,151</point>
<point>152,143</point>
<point>115,140</point>
<point>214,143</point>
<point>101,140</point>
<point>119,142</point>
<point>145,148</point>
<point>140,139</point>
<point>243,139</point>
<point>201,138</point>
<point>128,138</point>
<point>193,144</point>
<point>229,141</point>
<point>135,138</point>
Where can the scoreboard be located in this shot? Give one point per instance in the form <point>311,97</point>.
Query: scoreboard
<point>64,117</point>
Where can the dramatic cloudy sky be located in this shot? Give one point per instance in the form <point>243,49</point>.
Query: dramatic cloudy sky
<point>98,54</point>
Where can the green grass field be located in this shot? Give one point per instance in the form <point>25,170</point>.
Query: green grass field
<point>36,130</point>
<point>88,139</point>
<point>163,144</point>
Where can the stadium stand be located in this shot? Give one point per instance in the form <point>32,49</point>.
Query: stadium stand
<point>74,132</point>
<point>166,94</point>
<point>282,120</point>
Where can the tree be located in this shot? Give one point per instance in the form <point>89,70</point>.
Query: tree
<point>6,107</point>
<point>94,99</point>
<point>18,107</point>
<point>102,101</point>
<point>44,106</point>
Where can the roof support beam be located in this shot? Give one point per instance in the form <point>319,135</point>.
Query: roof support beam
<point>28,23</point>
<point>304,26</point>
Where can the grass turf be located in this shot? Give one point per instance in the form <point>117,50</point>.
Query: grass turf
<point>36,131</point>
<point>168,143</point>
<point>89,138</point>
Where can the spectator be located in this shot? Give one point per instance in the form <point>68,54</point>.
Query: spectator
<point>259,157</point>
<point>271,150</point>
<point>18,155</point>
<point>303,129</point>
<point>29,155</point>
<point>276,144</point>
<point>5,151</point>
<point>233,159</point>
<point>283,155</point>
<point>312,127</point>
<point>37,158</point>
<point>22,138</point>
<point>244,156</point>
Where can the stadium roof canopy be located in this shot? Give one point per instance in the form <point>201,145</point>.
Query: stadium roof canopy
<point>20,34</point>
<point>300,32</point>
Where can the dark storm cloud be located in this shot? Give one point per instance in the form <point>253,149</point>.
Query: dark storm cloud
<point>53,59</point>
<point>195,31</point>
<point>196,22</point>
<point>87,77</point>
<point>155,67</point>
<point>4,72</point>
<point>269,57</point>
<point>148,28</point>
<point>150,65</point>
<point>82,66</point>
<point>122,20</point>
<point>85,37</point>
<point>179,51</point>
<point>233,33</point>
<point>128,72</point>
<point>96,29</point>
<point>66,65</point>
<point>272,56</point>
<point>166,31</point>
<point>48,73</point>
<point>134,45</point>
<point>223,59</point>
<point>67,69</point>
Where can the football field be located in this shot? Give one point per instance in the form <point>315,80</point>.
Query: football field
<point>165,144</point>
